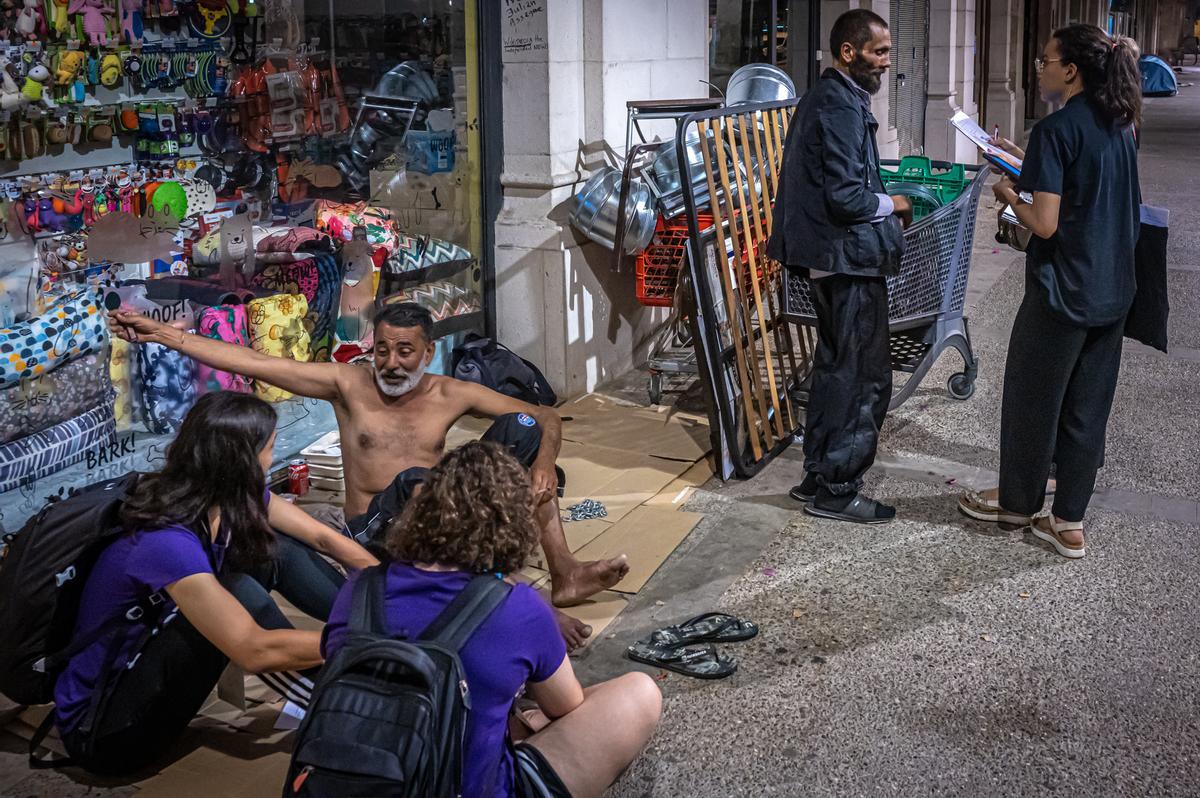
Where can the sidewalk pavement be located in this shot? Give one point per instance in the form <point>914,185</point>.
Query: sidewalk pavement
<point>941,656</point>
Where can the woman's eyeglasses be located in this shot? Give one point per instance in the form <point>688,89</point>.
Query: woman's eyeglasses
<point>1040,63</point>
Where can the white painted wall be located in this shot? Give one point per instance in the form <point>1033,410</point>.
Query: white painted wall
<point>569,69</point>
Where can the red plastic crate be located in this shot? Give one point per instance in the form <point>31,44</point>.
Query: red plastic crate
<point>657,269</point>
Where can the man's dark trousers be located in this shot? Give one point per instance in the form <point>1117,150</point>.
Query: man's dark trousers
<point>852,380</point>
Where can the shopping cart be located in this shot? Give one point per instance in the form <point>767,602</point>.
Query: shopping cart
<point>925,300</point>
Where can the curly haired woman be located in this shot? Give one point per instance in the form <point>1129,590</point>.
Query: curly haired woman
<point>475,515</point>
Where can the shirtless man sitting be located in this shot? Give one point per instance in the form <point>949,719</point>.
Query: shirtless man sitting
<point>393,419</point>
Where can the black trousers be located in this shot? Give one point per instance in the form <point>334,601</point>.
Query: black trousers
<point>153,701</point>
<point>851,382</point>
<point>1059,384</point>
<point>517,432</point>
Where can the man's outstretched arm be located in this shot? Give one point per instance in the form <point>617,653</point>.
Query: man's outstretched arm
<point>314,380</point>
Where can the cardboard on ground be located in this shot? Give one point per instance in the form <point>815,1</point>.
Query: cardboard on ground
<point>647,536</point>
<point>595,419</point>
<point>597,612</point>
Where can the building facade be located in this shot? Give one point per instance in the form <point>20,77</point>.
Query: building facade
<point>570,66</point>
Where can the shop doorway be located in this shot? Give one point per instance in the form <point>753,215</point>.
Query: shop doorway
<point>909,73</point>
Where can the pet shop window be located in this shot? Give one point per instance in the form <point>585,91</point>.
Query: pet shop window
<point>267,172</point>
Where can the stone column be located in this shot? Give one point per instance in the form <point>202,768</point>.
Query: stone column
<point>1005,102</point>
<point>951,28</point>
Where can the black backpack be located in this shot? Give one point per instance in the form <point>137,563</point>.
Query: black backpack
<point>388,717</point>
<point>42,574</point>
<point>493,365</point>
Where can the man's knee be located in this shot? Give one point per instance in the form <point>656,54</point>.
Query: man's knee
<point>519,433</point>
<point>250,593</point>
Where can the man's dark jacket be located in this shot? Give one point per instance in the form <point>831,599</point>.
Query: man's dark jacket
<point>827,194</point>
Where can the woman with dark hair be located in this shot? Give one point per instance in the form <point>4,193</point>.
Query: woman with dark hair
<point>1065,352</point>
<point>474,515</point>
<point>200,552</point>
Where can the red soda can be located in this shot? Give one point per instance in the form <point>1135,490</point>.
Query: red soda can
<point>298,477</point>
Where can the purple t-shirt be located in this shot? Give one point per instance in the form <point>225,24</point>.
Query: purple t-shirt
<point>130,569</point>
<point>518,643</point>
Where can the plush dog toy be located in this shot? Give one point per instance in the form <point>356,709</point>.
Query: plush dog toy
<point>94,23</point>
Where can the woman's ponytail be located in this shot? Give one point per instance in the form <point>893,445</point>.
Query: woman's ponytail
<point>1121,93</point>
<point>1109,69</point>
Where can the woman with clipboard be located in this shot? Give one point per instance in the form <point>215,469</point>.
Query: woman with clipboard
<point>1065,352</point>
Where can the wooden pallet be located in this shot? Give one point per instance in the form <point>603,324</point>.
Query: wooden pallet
<point>768,358</point>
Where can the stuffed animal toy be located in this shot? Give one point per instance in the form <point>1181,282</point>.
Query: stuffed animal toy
<point>31,22</point>
<point>70,64</point>
<point>94,23</point>
<point>10,94</point>
<point>62,22</point>
<point>131,21</point>
<point>36,81</point>
<point>110,70</point>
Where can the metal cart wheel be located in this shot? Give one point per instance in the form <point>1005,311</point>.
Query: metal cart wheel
<point>961,386</point>
<point>655,388</point>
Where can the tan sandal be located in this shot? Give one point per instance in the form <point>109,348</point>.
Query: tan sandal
<point>973,504</point>
<point>1052,532</point>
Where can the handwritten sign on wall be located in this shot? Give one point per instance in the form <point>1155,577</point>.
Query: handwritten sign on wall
<point>524,26</point>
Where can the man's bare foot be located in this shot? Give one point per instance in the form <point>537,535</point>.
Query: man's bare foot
<point>574,631</point>
<point>585,579</point>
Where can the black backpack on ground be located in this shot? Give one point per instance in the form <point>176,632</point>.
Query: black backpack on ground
<point>42,574</point>
<point>493,365</point>
<point>388,717</point>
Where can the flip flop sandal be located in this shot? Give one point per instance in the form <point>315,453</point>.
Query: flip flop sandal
<point>699,662</point>
<point>1052,533</point>
<point>711,627</point>
<point>860,510</point>
<point>974,505</point>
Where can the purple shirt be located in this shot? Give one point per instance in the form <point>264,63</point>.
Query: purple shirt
<point>518,643</point>
<point>131,568</point>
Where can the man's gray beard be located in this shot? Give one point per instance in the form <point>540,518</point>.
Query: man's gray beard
<point>396,391</point>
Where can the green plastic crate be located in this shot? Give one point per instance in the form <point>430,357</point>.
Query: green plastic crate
<point>947,184</point>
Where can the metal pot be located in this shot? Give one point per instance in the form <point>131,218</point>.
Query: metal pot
<point>757,83</point>
<point>596,207</point>
<point>666,170</point>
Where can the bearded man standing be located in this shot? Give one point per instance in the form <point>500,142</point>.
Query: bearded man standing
<point>835,224</point>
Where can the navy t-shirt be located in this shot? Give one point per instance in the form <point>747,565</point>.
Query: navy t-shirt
<point>1086,269</point>
<point>518,643</point>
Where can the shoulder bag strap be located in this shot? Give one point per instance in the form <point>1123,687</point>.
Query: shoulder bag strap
<point>455,625</point>
<point>367,601</point>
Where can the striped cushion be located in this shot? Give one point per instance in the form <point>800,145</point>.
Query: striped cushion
<point>28,459</point>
